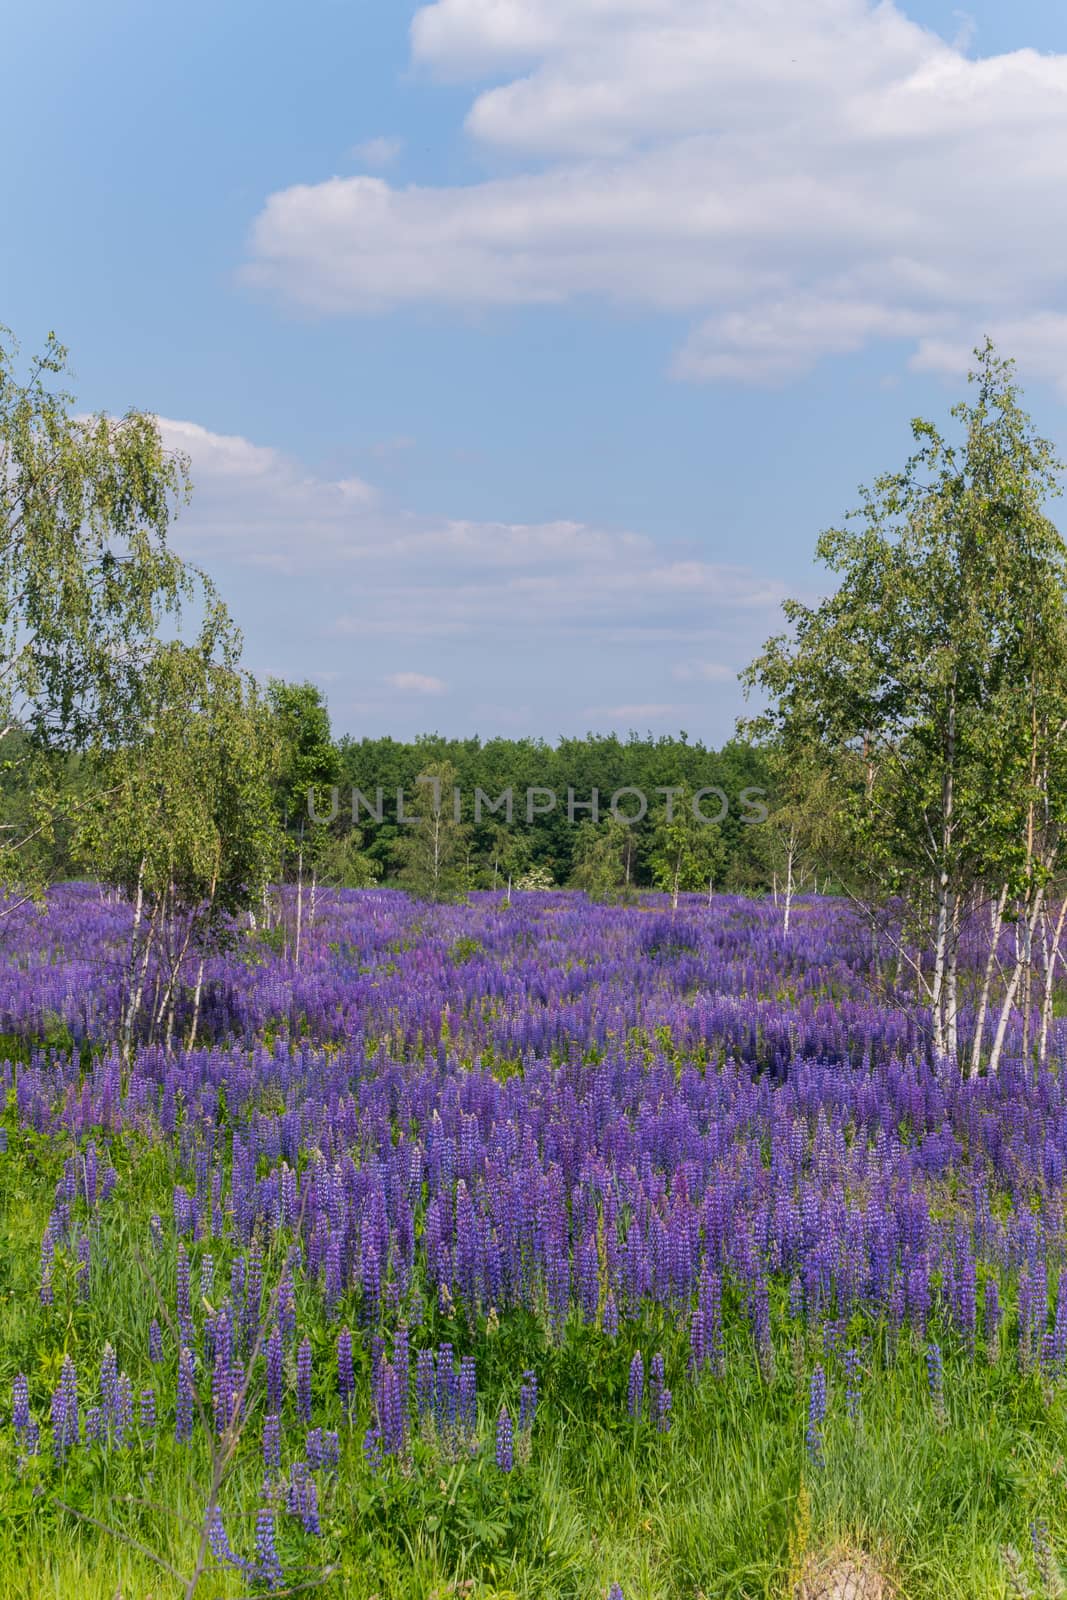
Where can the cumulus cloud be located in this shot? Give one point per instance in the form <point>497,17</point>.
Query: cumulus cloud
<point>803,176</point>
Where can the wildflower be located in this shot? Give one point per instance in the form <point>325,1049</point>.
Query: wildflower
<point>372,1450</point>
<point>816,1416</point>
<point>183,1419</point>
<point>64,1415</point>
<point>272,1441</point>
<point>636,1392</point>
<point>345,1376</point>
<point>505,1455</point>
<point>155,1343</point>
<point>268,1566</point>
<point>527,1401</point>
<point>20,1410</point>
<point>218,1540</point>
<point>1047,1564</point>
<point>275,1371</point>
<point>936,1376</point>
<point>148,1409</point>
<point>303,1380</point>
<point>661,1396</point>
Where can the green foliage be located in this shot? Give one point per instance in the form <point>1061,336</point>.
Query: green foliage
<point>86,580</point>
<point>686,853</point>
<point>433,850</point>
<point>924,699</point>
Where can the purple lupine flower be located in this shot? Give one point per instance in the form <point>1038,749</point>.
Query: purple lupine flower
<point>207,1277</point>
<point>1044,1556</point>
<point>223,1388</point>
<point>65,1429</point>
<point>155,1343</point>
<point>253,1296</point>
<point>635,1394</point>
<point>390,1410</point>
<point>505,1451</point>
<point>346,1383</point>
<point>272,1441</point>
<point>83,1274</point>
<point>183,1286</point>
<point>122,1420</point>
<point>661,1395</point>
<point>287,1306</point>
<point>155,1230</point>
<point>94,1424</point>
<point>992,1316</point>
<point>268,1568</point>
<point>615,1593</point>
<point>372,1450</point>
<point>445,1397</point>
<point>313,1448</point>
<point>218,1540</point>
<point>183,1417</point>
<point>331,1450</point>
<point>468,1396</point>
<point>148,1410</point>
<point>20,1407</point>
<point>425,1386</point>
<point>527,1401</point>
<point>275,1372</point>
<point>109,1380</point>
<point>816,1416</point>
<point>303,1380</point>
<point>309,1508</point>
<point>935,1372</point>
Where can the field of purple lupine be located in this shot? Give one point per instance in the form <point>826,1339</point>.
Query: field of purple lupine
<point>542,1249</point>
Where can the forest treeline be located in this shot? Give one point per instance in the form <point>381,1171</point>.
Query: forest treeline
<point>326,796</point>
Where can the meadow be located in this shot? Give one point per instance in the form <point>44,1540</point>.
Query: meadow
<point>549,1249</point>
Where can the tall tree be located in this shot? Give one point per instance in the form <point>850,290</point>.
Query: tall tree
<point>86,579</point>
<point>935,675</point>
<point>687,853</point>
<point>433,845</point>
<point>183,822</point>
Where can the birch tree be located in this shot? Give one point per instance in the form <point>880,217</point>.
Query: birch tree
<point>933,676</point>
<point>433,846</point>
<point>183,823</point>
<point>86,580</point>
<point>687,853</point>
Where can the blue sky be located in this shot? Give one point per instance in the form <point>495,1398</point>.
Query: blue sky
<point>522,348</point>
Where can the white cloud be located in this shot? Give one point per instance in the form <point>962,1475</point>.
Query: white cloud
<point>380,572</point>
<point>1038,342</point>
<point>803,177</point>
<point>379,152</point>
<point>415,683</point>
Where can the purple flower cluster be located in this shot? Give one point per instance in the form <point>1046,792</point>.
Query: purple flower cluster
<point>591,1124</point>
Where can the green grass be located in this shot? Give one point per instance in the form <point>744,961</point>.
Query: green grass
<point>716,1507</point>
